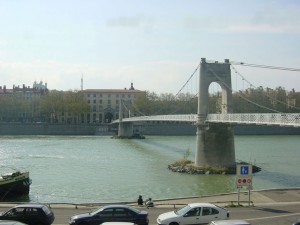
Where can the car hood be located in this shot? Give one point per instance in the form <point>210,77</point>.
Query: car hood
<point>167,216</point>
<point>80,216</point>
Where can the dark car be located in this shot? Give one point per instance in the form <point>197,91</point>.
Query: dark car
<point>297,222</point>
<point>111,213</point>
<point>31,214</point>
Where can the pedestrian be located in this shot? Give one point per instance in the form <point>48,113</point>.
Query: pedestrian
<point>140,200</point>
<point>149,203</point>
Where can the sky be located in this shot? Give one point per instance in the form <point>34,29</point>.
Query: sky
<point>154,44</point>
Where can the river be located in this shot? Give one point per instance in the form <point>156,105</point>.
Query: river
<point>80,169</point>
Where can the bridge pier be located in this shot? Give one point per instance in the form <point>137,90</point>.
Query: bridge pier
<point>125,129</point>
<point>215,142</point>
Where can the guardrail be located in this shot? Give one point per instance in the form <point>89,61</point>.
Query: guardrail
<point>281,119</point>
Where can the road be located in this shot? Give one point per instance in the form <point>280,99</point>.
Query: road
<point>267,214</point>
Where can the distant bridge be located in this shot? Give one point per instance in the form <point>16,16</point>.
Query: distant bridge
<point>215,143</point>
<point>280,119</point>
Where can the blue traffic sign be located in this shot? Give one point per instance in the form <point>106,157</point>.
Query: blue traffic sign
<point>244,170</point>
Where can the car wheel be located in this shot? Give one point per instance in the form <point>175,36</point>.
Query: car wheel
<point>174,223</point>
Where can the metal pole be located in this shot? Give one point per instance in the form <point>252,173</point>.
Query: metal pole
<point>239,195</point>
<point>249,196</point>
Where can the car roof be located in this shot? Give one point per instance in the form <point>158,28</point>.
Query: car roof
<point>202,204</point>
<point>229,222</point>
<point>116,206</point>
<point>29,206</point>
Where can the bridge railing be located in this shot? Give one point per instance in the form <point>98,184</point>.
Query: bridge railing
<point>182,118</point>
<point>281,119</point>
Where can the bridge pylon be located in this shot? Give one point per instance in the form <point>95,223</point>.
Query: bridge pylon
<point>215,142</point>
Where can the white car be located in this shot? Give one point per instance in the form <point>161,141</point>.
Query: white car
<point>194,213</point>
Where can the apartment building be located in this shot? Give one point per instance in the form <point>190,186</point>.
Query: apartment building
<point>106,104</point>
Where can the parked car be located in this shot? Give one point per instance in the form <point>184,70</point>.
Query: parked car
<point>10,222</point>
<point>229,222</point>
<point>297,222</point>
<point>111,213</point>
<point>194,213</point>
<point>31,214</point>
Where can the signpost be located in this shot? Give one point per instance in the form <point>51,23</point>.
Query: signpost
<point>243,178</point>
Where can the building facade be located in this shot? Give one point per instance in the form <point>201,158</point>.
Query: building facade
<point>20,104</point>
<point>107,104</point>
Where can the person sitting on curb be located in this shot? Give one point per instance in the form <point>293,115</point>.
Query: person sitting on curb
<point>140,200</point>
<point>149,203</point>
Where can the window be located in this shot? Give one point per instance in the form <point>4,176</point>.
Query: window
<point>94,95</point>
<point>193,212</point>
<point>106,213</point>
<point>32,212</point>
<point>100,101</point>
<point>94,101</point>
<point>209,211</point>
<point>120,213</point>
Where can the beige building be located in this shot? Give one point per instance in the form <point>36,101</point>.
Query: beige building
<point>105,104</point>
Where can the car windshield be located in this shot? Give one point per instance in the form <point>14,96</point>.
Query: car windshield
<point>182,211</point>
<point>46,210</point>
<point>96,211</point>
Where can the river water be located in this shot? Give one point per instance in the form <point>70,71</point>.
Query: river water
<point>80,169</point>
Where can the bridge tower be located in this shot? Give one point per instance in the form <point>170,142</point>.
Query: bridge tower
<point>125,129</point>
<point>215,142</point>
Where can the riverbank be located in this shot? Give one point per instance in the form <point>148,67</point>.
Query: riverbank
<point>181,128</point>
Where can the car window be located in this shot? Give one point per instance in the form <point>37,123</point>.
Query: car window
<point>193,212</point>
<point>32,212</point>
<point>120,212</point>
<point>209,211</point>
<point>15,212</point>
<point>106,213</point>
<point>183,210</point>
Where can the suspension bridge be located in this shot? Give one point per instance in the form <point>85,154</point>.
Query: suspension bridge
<point>214,136</point>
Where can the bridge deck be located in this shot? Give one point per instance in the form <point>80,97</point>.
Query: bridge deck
<point>280,119</point>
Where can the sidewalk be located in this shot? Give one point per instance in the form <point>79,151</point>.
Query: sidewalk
<point>256,198</point>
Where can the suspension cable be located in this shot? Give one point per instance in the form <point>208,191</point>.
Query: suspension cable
<point>198,66</point>
<point>248,100</point>
<point>265,66</point>
<point>251,85</point>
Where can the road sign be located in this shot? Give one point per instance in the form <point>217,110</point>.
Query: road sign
<point>244,170</point>
<point>244,181</point>
<point>244,175</point>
